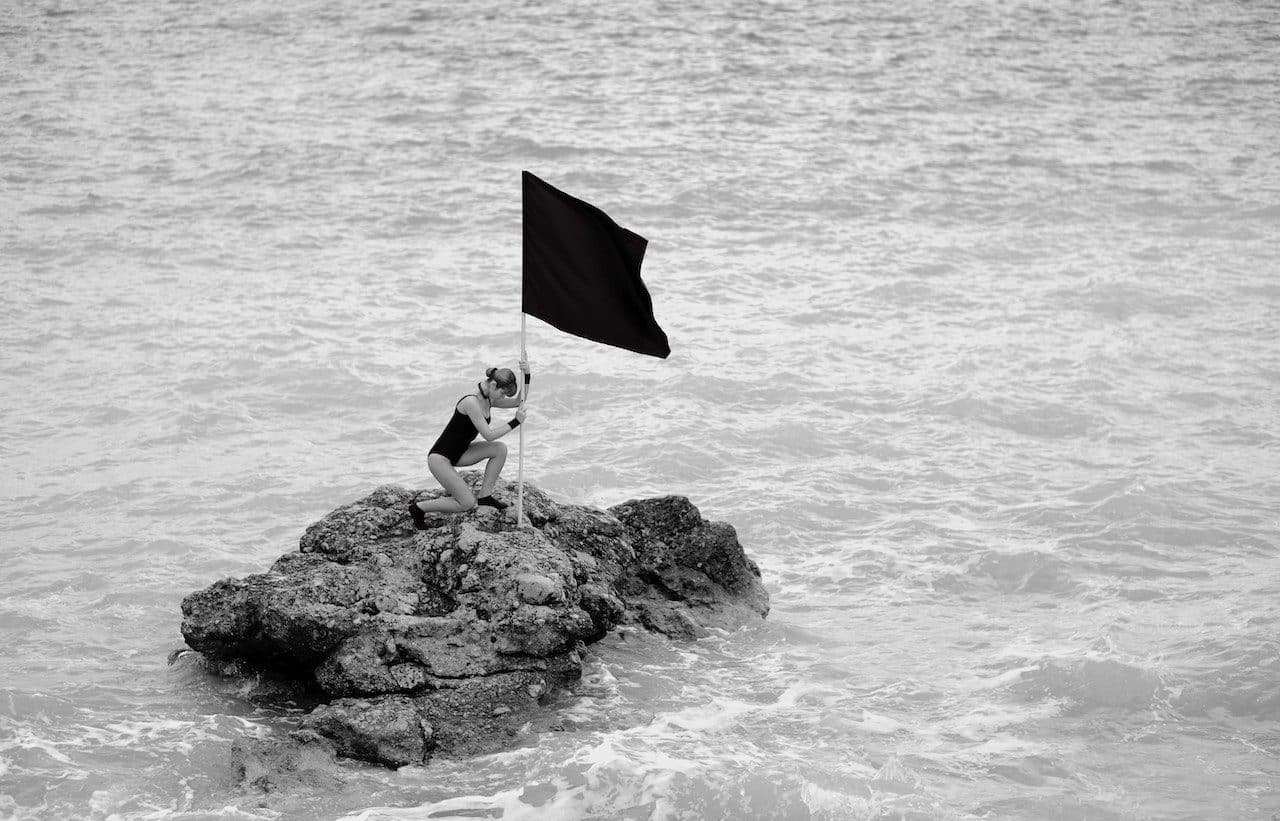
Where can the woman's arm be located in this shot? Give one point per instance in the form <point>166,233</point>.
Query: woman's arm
<point>488,432</point>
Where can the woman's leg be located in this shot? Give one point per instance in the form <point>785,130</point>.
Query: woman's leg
<point>496,453</point>
<point>460,498</point>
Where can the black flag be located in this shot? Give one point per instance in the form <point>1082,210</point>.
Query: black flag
<point>582,272</point>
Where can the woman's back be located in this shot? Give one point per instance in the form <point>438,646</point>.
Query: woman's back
<point>457,435</point>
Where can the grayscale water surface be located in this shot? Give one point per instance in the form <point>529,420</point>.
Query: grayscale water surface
<point>976,330</point>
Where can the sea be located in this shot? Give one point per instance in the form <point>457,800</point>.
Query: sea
<point>974,310</point>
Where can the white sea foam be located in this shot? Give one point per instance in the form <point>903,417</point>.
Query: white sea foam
<point>25,739</point>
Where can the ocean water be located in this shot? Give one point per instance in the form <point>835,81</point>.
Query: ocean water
<point>975,318</point>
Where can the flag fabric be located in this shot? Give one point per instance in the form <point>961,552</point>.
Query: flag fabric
<point>582,272</point>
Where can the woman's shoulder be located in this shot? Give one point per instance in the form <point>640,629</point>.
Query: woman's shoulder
<point>469,401</point>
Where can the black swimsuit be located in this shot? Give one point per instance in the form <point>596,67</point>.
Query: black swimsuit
<point>457,435</point>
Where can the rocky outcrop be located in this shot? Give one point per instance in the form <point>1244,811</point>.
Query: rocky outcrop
<point>449,640</point>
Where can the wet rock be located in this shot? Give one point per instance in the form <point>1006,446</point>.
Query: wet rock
<point>694,569</point>
<point>389,730</point>
<point>285,764</point>
<point>444,641</point>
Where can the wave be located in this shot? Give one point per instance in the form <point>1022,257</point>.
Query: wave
<point>91,204</point>
<point>391,31</point>
<point>1241,677</point>
<point>1026,571</point>
<point>1028,417</point>
<point>1092,683</point>
<point>1122,299</point>
<point>894,791</point>
<point>1065,805</point>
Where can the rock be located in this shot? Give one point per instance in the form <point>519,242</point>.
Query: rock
<point>536,589</point>
<point>464,627</point>
<point>389,730</point>
<point>303,760</point>
<point>696,567</point>
<point>605,608</point>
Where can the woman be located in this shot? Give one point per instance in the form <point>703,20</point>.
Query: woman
<point>455,449</point>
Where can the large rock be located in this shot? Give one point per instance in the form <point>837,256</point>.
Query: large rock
<point>446,641</point>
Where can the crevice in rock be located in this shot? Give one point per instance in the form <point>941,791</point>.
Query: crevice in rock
<point>657,583</point>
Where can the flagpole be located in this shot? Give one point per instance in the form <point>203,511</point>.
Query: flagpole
<point>524,356</point>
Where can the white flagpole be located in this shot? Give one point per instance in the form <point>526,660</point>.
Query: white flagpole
<point>524,356</point>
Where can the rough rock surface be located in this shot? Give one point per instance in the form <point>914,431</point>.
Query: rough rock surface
<point>303,761</point>
<point>447,641</point>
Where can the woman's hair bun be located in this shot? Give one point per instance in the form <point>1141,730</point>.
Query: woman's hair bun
<point>489,373</point>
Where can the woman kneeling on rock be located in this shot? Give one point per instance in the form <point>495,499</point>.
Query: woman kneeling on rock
<point>454,448</point>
